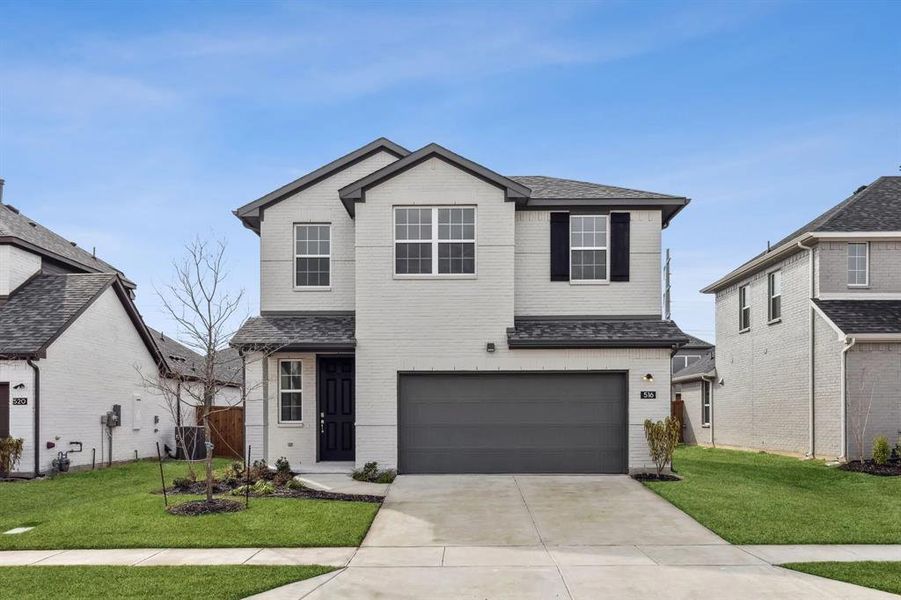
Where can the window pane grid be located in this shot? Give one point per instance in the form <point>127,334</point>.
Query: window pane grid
<point>588,247</point>
<point>290,385</point>
<point>774,285</point>
<point>312,255</point>
<point>434,240</point>
<point>857,264</point>
<point>744,309</point>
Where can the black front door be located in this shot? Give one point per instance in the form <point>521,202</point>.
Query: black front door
<point>336,408</point>
<point>4,410</point>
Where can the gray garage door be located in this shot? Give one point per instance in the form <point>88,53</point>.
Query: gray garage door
<point>512,423</point>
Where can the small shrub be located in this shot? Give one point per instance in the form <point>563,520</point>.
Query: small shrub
<point>182,483</point>
<point>371,473</point>
<point>663,437</point>
<point>294,484</point>
<point>282,478</point>
<point>260,470</point>
<point>263,488</point>
<point>881,450</point>
<point>282,465</point>
<point>241,490</point>
<point>232,473</point>
<point>10,453</point>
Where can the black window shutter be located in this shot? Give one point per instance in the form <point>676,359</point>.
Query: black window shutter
<point>559,246</point>
<point>619,246</point>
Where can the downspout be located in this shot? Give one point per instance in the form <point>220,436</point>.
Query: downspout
<point>849,343</point>
<point>811,380</point>
<point>37,416</point>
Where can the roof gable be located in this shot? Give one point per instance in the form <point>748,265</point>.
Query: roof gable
<point>251,213</point>
<point>356,191</point>
<point>182,361</point>
<point>41,309</point>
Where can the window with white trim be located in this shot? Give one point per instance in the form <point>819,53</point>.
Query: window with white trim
<point>290,391</point>
<point>435,240</point>
<point>858,264</point>
<point>774,294</point>
<point>705,402</point>
<point>312,255</point>
<point>744,308</point>
<point>588,243</point>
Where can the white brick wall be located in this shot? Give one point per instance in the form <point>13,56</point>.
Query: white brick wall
<point>317,204</point>
<point>763,402</point>
<point>90,367</point>
<point>16,266</point>
<point>874,380</point>
<point>536,294</point>
<point>827,353</point>
<point>885,267</point>
<point>694,432</point>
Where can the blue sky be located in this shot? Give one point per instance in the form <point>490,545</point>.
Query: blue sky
<point>134,126</point>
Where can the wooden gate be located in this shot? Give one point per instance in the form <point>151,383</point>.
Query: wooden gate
<point>226,431</point>
<point>676,410</point>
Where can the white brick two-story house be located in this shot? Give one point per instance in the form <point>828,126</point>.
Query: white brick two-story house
<point>808,336</point>
<point>425,312</point>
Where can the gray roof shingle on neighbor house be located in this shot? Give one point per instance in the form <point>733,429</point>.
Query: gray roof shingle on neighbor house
<point>297,331</point>
<point>704,366</point>
<point>185,362</point>
<point>863,316</point>
<point>875,207</point>
<point>696,343</point>
<point>39,310</point>
<point>593,332</point>
<point>16,226</point>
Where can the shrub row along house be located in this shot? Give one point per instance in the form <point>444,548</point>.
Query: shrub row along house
<point>73,347</point>
<point>808,338</point>
<point>428,313</point>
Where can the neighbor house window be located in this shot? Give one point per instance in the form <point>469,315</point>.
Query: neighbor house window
<point>290,391</point>
<point>312,256</point>
<point>705,402</point>
<point>858,264</point>
<point>435,241</point>
<point>774,287</point>
<point>588,248</point>
<point>682,361</point>
<point>744,308</point>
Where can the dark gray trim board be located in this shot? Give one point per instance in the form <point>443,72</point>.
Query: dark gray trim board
<point>356,191</point>
<point>251,214</point>
<point>80,267</point>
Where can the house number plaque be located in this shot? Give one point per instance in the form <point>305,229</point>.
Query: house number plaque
<point>648,395</point>
<point>20,401</point>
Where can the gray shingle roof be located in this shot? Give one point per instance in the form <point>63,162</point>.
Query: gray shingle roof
<point>297,331</point>
<point>186,362</point>
<point>876,207</point>
<point>593,333</point>
<point>39,310</point>
<point>695,343</point>
<point>863,316</point>
<point>553,187</point>
<point>706,364</point>
<point>14,224</point>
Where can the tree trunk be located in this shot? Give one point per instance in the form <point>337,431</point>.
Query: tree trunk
<point>209,453</point>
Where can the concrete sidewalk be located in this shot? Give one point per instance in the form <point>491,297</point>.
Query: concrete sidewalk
<point>701,555</point>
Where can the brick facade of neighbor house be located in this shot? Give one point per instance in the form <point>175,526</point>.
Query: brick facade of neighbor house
<point>764,399</point>
<point>459,325</point>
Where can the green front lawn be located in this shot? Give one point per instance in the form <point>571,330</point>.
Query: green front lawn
<point>114,508</point>
<point>172,583</point>
<point>754,498</point>
<point>885,576</point>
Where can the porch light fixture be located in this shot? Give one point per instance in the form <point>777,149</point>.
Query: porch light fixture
<point>648,377</point>
<point>490,347</point>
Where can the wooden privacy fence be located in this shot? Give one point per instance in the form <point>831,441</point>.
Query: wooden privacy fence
<point>226,431</point>
<point>676,408</point>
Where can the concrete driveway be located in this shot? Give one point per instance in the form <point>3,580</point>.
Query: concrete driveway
<point>567,537</point>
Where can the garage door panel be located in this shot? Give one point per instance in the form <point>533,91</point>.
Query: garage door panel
<point>512,423</point>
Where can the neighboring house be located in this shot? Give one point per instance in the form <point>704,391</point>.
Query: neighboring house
<point>693,351</point>
<point>425,312</point>
<point>70,341</point>
<point>694,386</point>
<point>808,334</point>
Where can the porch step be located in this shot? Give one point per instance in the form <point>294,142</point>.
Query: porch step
<point>337,467</point>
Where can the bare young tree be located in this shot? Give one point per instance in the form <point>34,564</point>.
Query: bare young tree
<point>859,412</point>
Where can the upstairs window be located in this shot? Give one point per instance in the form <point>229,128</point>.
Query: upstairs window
<point>744,308</point>
<point>774,287</point>
<point>312,256</point>
<point>589,259</point>
<point>435,241</point>
<point>858,264</point>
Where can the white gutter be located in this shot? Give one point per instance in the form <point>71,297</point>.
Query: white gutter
<point>849,343</point>
<point>811,442</point>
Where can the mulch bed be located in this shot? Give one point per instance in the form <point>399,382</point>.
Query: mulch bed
<point>320,495</point>
<point>655,477</point>
<point>194,508</point>
<point>199,489</point>
<point>891,469</point>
